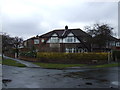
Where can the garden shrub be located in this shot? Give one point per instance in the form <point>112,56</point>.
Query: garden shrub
<point>28,54</point>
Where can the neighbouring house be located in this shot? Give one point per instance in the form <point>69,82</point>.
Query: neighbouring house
<point>111,43</point>
<point>67,40</point>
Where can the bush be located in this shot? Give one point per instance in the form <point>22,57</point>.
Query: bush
<point>28,54</point>
<point>72,57</point>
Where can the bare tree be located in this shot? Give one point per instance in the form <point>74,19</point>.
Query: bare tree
<point>10,43</point>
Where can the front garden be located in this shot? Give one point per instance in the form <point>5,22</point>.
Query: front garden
<point>64,60</point>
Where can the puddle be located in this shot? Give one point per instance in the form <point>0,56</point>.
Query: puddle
<point>103,80</point>
<point>115,83</point>
<point>75,74</point>
<point>88,83</point>
<point>5,81</point>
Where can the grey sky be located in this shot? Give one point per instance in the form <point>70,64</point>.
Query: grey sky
<point>27,18</point>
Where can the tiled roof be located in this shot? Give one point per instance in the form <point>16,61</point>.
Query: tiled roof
<point>64,33</point>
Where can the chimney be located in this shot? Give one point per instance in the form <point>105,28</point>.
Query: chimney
<point>66,27</point>
<point>37,36</point>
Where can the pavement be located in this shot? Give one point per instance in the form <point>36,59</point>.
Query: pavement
<point>28,64</point>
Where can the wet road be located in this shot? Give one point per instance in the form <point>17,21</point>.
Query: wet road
<point>51,78</point>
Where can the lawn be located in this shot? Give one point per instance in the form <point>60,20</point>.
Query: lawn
<point>0,61</point>
<point>10,62</point>
<point>62,66</point>
<point>106,65</point>
<point>58,66</point>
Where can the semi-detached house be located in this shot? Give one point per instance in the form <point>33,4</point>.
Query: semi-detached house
<point>65,40</point>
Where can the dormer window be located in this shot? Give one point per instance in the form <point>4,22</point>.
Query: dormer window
<point>54,39</point>
<point>70,39</point>
<point>36,41</point>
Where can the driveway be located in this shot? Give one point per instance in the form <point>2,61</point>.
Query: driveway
<point>28,77</point>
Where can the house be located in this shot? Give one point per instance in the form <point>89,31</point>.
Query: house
<point>66,40</point>
<point>61,40</point>
<point>111,43</point>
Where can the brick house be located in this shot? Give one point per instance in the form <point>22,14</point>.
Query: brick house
<point>66,40</point>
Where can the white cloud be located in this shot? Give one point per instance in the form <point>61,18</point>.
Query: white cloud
<point>31,17</point>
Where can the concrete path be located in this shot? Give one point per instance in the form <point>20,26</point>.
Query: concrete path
<point>28,64</point>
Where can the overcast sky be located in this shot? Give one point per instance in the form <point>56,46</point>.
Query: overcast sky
<point>27,18</point>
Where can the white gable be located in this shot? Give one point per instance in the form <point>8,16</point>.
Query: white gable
<point>54,34</point>
<point>69,39</point>
<point>70,34</point>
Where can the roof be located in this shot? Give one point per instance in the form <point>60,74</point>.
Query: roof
<point>110,38</point>
<point>64,33</point>
<point>49,34</point>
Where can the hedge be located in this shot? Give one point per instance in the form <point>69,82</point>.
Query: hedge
<point>116,54</point>
<point>72,57</point>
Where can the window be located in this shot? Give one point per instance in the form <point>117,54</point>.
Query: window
<point>118,44</point>
<point>74,39</point>
<point>36,41</point>
<point>74,50</point>
<point>80,50</point>
<point>25,43</point>
<point>67,51</point>
<point>70,50</point>
<point>70,39</point>
<point>42,40</point>
<point>85,50</point>
<point>54,40</point>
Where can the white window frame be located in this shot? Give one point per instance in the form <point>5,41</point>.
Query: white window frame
<point>25,43</point>
<point>70,50</point>
<point>36,41</point>
<point>117,43</point>
<point>42,40</point>
<point>54,40</point>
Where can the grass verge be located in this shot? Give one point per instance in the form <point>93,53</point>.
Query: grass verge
<point>58,66</point>
<point>11,62</point>
<point>105,65</point>
<point>62,66</point>
<point>0,61</point>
